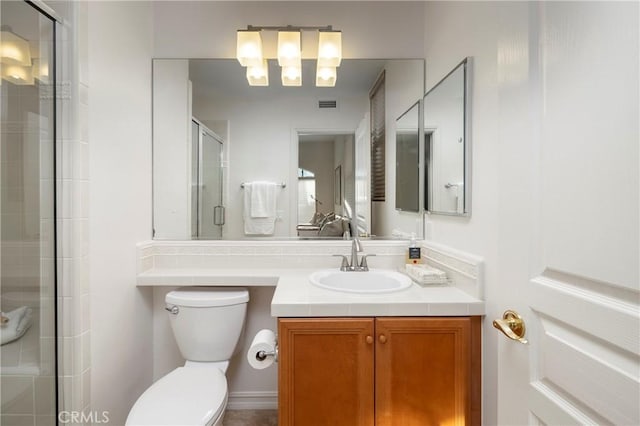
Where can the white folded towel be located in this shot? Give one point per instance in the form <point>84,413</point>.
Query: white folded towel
<point>19,322</point>
<point>425,274</point>
<point>260,208</point>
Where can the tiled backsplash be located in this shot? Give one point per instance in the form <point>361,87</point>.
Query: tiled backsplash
<point>464,270</point>
<point>262,254</point>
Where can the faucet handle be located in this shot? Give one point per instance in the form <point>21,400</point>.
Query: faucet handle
<point>345,262</point>
<point>363,262</point>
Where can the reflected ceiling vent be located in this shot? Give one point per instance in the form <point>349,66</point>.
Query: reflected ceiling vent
<point>327,104</point>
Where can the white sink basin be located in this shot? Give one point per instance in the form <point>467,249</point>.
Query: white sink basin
<point>372,281</point>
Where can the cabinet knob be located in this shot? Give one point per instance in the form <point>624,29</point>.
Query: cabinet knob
<point>382,338</point>
<point>369,339</point>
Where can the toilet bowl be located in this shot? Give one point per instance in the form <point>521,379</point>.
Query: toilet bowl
<point>207,324</point>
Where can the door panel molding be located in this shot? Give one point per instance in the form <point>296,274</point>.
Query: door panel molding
<point>585,351</point>
<point>597,308</point>
<point>553,409</point>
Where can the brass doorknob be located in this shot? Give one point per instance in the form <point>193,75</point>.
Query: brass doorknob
<point>512,326</point>
<point>382,338</point>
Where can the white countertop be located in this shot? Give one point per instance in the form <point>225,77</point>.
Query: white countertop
<point>295,296</point>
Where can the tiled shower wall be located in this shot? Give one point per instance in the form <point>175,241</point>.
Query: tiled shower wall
<point>73,215</point>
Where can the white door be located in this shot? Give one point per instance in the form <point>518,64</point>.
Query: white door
<point>362,176</point>
<point>569,222</point>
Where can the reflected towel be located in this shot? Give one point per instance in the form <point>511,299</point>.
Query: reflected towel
<point>19,322</point>
<point>259,208</point>
<point>263,199</point>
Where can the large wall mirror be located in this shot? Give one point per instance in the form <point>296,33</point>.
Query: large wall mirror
<point>447,144</point>
<point>218,141</point>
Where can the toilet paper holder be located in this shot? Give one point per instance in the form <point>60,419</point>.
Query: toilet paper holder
<point>262,355</point>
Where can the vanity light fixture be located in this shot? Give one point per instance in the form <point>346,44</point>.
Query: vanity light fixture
<point>14,50</point>
<point>249,48</point>
<point>325,76</point>
<point>329,48</point>
<point>18,75</point>
<point>258,75</point>
<point>249,53</point>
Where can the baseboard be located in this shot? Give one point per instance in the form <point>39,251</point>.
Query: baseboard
<point>267,400</point>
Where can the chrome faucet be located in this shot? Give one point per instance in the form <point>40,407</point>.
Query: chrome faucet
<point>354,265</point>
<point>356,246</point>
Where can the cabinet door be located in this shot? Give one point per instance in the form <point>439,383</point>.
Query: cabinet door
<point>325,369</point>
<point>427,371</point>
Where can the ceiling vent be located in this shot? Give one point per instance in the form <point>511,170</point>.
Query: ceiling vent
<point>327,104</point>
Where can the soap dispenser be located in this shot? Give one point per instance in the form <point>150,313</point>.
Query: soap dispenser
<point>414,256</point>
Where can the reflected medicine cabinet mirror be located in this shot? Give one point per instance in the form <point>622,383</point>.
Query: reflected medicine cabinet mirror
<point>447,144</point>
<point>408,160</point>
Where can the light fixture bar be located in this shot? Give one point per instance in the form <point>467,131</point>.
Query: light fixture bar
<point>288,28</point>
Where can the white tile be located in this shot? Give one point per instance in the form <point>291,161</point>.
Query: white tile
<point>16,393</point>
<point>66,269</point>
<point>86,350</point>
<point>80,201</point>
<point>83,120</point>
<point>86,387</point>
<point>45,398</point>
<point>85,309</point>
<point>17,420</point>
<point>448,309</point>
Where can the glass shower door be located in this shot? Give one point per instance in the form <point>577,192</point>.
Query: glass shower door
<point>211,210</point>
<point>27,217</point>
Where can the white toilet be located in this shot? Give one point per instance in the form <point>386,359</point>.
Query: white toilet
<point>207,323</point>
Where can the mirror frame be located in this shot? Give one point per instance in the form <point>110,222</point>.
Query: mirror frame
<point>466,65</point>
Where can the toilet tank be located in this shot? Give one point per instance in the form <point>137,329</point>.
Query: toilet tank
<point>207,322</point>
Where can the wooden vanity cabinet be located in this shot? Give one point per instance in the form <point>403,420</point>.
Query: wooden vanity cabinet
<point>385,371</point>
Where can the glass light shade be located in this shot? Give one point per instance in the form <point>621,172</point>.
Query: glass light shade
<point>14,50</point>
<point>17,74</point>
<point>249,48</point>
<point>325,76</point>
<point>289,53</point>
<point>258,76</point>
<point>329,48</point>
<point>291,76</point>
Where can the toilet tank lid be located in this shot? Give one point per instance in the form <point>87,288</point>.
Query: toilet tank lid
<point>207,296</point>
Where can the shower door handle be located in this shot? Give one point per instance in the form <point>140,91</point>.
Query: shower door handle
<point>218,215</point>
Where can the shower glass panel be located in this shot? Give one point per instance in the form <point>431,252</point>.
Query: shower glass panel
<point>27,216</point>
<point>207,161</point>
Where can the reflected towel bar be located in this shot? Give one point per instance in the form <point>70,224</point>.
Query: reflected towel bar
<point>284,185</point>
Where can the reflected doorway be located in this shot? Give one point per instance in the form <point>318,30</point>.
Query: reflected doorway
<point>326,179</point>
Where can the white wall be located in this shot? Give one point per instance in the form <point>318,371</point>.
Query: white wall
<point>584,62</point>
<point>120,49</point>
<point>317,157</point>
<point>172,149</point>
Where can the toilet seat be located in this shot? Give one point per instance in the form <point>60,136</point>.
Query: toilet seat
<point>185,397</point>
